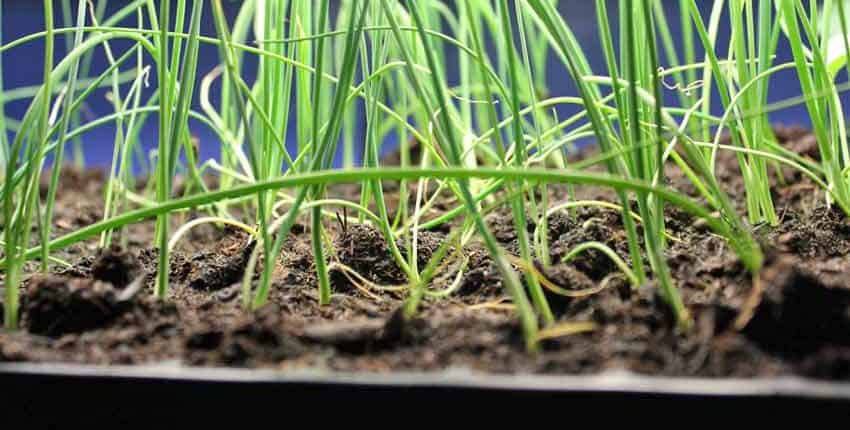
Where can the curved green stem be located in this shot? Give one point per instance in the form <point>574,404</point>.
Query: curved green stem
<point>605,249</point>
<point>749,252</point>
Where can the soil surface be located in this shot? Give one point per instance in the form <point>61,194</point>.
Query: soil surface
<point>101,309</point>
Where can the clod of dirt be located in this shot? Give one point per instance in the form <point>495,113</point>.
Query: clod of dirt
<point>482,276</point>
<point>566,277</point>
<point>824,233</point>
<point>501,224</point>
<point>363,248</point>
<point>708,255</point>
<point>624,304</point>
<point>184,184</point>
<point>828,363</point>
<point>57,305</point>
<point>257,338</point>
<point>426,245</point>
<point>799,140</point>
<point>73,178</point>
<point>74,206</point>
<point>221,267</point>
<point>393,158</point>
<point>559,223</point>
<point>594,226</point>
<point>180,266</point>
<point>115,266</point>
<point>798,313</point>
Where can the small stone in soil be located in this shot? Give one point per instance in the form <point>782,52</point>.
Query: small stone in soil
<point>362,335</point>
<point>346,336</point>
<point>228,294</point>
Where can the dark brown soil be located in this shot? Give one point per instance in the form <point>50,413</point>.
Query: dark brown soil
<point>797,321</point>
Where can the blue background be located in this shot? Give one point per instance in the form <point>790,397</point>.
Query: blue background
<point>23,66</point>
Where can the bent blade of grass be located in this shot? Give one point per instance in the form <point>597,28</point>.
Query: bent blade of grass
<point>328,177</point>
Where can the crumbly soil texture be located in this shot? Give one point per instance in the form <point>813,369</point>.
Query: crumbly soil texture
<point>101,309</point>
